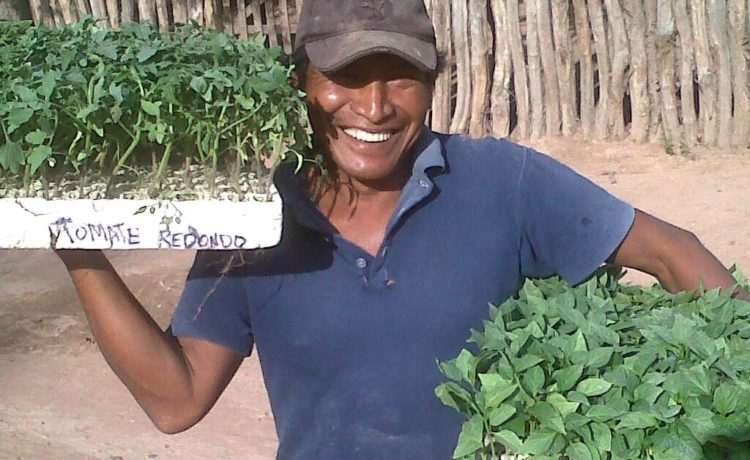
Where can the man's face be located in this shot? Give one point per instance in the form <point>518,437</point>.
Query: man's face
<point>368,115</point>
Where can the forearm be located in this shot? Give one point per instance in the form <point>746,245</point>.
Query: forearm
<point>701,268</point>
<point>148,360</point>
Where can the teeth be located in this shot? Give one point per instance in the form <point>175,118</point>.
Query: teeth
<point>364,136</point>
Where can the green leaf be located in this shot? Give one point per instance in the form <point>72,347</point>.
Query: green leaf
<point>561,404</point>
<point>602,413</point>
<point>466,363</point>
<point>602,437</point>
<point>11,157</point>
<point>725,398</point>
<point>146,53</point>
<point>496,389</point>
<point>593,387</point>
<point>636,420</point>
<point>567,377</point>
<point>49,81</point>
<point>533,380</point>
<point>39,155</point>
<point>471,438</point>
<point>151,108</point>
<point>525,362</point>
<point>578,451</point>
<point>510,440</point>
<point>36,137</point>
<point>501,414</point>
<point>17,117</point>
<point>548,416</point>
<point>538,442</point>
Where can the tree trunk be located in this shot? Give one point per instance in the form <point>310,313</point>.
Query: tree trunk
<point>441,100</point>
<point>602,60</point>
<point>549,67</point>
<point>687,71</point>
<point>619,36</point>
<point>706,77</point>
<point>460,122</point>
<point>535,71</point>
<point>665,46</point>
<point>564,63</point>
<point>717,19</point>
<point>481,47</point>
<point>738,9</point>
<point>500,97</point>
<point>520,76</point>
<point>583,31</point>
<point>639,101</point>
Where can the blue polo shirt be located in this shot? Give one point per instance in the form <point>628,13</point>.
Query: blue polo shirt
<point>348,342</point>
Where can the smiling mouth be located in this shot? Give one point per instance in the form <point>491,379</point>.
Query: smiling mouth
<point>368,137</point>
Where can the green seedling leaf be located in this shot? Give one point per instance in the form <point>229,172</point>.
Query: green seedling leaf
<point>11,157</point>
<point>510,440</point>
<point>568,377</point>
<point>17,117</point>
<point>36,137</point>
<point>636,420</point>
<point>533,380</point>
<point>471,437</point>
<point>726,398</point>
<point>501,414</point>
<point>538,442</point>
<point>578,451</point>
<point>151,108</point>
<point>593,387</point>
<point>39,155</point>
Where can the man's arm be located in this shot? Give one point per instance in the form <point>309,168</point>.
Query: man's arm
<point>674,256</point>
<point>176,381</point>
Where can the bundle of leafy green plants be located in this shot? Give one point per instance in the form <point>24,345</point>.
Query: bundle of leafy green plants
<point>90,112</point>
<point>606,370</point>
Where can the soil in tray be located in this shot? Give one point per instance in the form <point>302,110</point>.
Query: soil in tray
<point>194,182</point>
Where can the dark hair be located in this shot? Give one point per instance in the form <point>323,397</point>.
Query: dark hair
<point>301,62</point>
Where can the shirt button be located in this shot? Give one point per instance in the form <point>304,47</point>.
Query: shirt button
<point>423,183</point>
<point>361,263</point>
<point>390,283</point>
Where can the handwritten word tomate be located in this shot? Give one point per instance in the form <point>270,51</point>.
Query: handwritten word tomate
<point>194,239</point>
<point>96,233</point>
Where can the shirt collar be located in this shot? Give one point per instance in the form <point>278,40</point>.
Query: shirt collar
<point>291,181</point>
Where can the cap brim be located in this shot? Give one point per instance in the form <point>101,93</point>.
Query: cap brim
<point>331,54</point>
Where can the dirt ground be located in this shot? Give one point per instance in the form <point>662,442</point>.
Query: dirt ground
<point>58,398</point>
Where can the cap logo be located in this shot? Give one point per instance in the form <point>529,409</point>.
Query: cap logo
<point>374,10</point>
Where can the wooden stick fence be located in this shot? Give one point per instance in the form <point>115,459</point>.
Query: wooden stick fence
<point>669,71</point>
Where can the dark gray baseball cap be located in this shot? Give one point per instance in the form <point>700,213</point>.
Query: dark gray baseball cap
<point>335,33</point>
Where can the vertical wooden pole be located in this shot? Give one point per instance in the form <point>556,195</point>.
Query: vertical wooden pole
<point>462,114</point>
<point>583,33</point>
<point>564,63</point>
<point>481,47</point>
<point>706,77</point>
<point>162,15</point>
<point>441,99</point>
<point>57,17</point>
<point>639,100</point>
<point>113,13</point>
<point>209,13</point>
<point>254,8</point>
<point>655,131</point>
<point>738,9</point>
<point>500,95</point>
<point>286,30</point>
<point>665,46</point>
<point>719,43</point>
<point>146,14</point>
<point>520,76</point>
<point>601,121</point>
<point>535,71</point>
<point>69,13</point>
<point>549,67</point>
<point>127,11</point>
<point>687,71</point>
<point>271,24</point>
<point>179,11</point>
<point>620,61</point>
<point>83,8</point>
<point>196,12</point>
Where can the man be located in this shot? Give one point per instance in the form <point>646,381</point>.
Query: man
<point>385,263</point>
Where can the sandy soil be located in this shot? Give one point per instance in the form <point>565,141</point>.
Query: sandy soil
<point>58,398</point>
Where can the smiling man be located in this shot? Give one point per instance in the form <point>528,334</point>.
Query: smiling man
<point>385,262</point>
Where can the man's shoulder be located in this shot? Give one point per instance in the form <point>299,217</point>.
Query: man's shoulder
<point>485,156</point>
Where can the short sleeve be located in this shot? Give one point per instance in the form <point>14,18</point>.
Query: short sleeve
<point>213,305</point>
<point>569,225</point>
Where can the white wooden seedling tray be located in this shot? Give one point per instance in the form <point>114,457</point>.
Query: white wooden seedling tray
<point>33,223</point>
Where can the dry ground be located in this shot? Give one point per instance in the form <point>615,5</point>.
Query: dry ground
<point>58,398</point>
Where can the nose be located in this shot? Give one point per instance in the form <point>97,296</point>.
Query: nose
<point>373,102</point>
